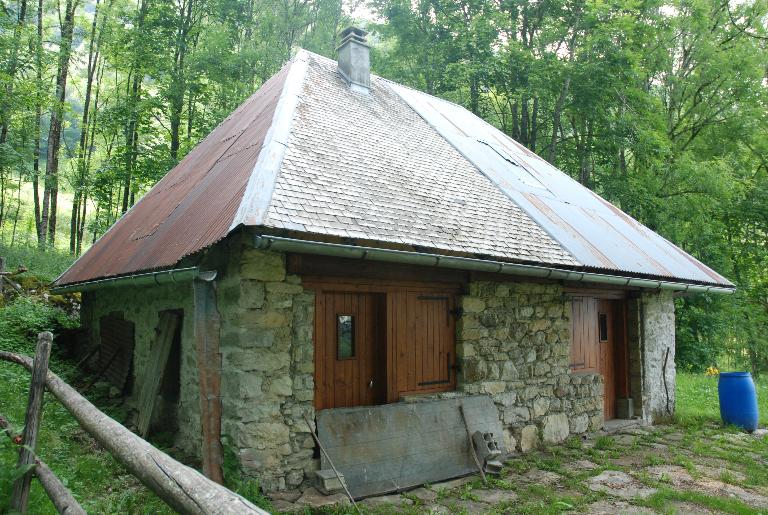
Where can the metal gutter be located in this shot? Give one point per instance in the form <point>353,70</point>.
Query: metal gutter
<point>281,244</point>
<point>173,276</point>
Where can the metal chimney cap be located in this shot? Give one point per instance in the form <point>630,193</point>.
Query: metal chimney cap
<point>355,33</point>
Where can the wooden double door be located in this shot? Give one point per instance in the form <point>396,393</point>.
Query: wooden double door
<point>374,345</point>
<point>598,345</point>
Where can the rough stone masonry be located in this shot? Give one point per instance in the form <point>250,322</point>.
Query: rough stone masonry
<point>514,342</point>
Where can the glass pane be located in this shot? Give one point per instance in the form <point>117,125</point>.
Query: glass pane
<point>345,336</point>
<point>603,327</point>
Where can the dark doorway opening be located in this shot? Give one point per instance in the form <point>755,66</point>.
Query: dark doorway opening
<point>165,423</point>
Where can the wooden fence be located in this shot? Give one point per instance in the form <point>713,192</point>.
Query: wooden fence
<point>183,488</point>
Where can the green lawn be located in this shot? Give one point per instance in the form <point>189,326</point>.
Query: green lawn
<point>697,399</point>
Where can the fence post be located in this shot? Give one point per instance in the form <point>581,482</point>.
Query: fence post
<point>32,419</point>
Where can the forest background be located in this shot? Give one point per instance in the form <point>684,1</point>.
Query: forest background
<point>659,106</point>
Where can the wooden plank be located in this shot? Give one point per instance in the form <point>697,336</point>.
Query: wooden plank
<point>153,374</point>
<point>391,447</point>
<point>207,334</point>
<point>32,419</point>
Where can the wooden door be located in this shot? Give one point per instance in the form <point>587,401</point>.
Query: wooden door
<point>350,364</point>
<point>598,345</point>
<point>425,353</point>
<point>606,341</point>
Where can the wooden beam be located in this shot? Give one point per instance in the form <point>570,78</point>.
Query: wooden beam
<point>326,266</point>
<point>183,488</point>
<point>32,419</point>
<point>153,375</point>
<point>207,331</point>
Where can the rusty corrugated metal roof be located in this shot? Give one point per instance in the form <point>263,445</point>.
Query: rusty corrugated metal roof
<point>397,166</point>
<point>193,206</point>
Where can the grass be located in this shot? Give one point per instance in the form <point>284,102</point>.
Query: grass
<point>697,399</point>
<point>45,266</point>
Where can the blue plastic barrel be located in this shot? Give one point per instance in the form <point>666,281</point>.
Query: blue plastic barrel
<point>738,400</point>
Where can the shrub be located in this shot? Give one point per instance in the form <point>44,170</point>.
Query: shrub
<point>24,317</point>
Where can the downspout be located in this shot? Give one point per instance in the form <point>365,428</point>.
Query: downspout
<point>173,276</point>
<point>281,244</point>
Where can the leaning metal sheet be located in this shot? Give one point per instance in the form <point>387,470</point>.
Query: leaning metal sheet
<point>388,448</point>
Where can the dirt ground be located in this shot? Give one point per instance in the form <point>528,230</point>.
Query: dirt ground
<point>659,469</point>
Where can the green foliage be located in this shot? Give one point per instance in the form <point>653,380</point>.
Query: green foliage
<point>658,107</point>
<point>44,266</point>
<point>23,318</point>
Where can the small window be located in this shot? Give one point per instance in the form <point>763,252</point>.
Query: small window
<point>345,336</point>
<point>603,327</point>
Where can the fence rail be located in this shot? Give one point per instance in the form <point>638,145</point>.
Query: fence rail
<point>183,488</point>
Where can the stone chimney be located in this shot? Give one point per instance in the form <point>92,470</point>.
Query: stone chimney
<point>354,59</point>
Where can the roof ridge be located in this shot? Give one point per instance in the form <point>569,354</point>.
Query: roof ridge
<point>257,195</point>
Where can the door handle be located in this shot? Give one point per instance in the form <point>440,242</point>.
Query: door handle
<point>370,384</point>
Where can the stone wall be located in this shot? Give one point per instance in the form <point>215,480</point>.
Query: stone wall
<point>514,343</point>
<point>267,356</point>
<point>142,306</point>
<point>651,334</point>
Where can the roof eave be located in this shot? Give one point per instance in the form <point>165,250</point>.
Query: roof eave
<point>283,244</point>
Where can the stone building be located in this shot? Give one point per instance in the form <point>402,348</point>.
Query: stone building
<point>342,247</point>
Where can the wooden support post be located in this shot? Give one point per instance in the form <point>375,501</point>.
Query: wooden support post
<point>207,329</point>
<point>32,420</point>
<point>153,376</point>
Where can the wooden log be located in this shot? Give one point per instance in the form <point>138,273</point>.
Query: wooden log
<point>153,375</point>
<point>60,496</point>
<point>183,488</point>
<point>207,326</point>
<point>20,496</point>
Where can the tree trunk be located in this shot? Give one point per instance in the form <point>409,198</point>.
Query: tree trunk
<point>552,154</point>
<point>38,114</point>
<point>524,130</point>
<point>5,104</point>
<point>50,196</point>
<point>179,86</point>
<point>515,123</point>
<point>82,171</point>
<point>534,125</point>
<point>131,138</point>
